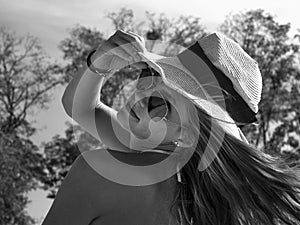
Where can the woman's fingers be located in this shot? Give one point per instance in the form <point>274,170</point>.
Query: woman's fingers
<point>137,41</point>
<point>129,43</point>
<point>140,40</point>
<point>125,47</point>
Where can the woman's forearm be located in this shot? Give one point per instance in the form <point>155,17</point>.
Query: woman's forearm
<point>83,92</point>
<point>81,101</point>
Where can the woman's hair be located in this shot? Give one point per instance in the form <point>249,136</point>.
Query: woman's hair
<point>241,186</point>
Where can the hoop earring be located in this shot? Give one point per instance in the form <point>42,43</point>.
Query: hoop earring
<point>179,142</point>
<point>176,142</point>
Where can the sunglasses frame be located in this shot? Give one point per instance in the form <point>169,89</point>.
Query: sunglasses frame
<point>150,70</point>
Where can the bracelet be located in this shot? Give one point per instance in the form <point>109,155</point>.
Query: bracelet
<point>89,63</point>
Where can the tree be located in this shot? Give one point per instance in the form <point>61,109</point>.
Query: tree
<point>182,31</point>
<point>268,42</point>
<point>21,168</point>
<point>26,77</point>
<point>122,20</point>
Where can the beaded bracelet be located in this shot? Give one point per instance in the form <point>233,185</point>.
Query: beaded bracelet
<point>90,65</point>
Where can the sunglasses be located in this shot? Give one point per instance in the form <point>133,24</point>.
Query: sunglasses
<point>158,106</point>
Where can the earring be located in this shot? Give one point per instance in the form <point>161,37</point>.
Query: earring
<point>177,142</point>
<point>178,174</point>
<point>180,143</point>
<point>164,118</point>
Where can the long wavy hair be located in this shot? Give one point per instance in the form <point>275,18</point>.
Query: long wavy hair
<point>242,185</point>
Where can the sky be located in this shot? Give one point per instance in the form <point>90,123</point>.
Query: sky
<point>50,21</point>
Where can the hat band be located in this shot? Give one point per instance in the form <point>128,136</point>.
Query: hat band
<point>235,105</point>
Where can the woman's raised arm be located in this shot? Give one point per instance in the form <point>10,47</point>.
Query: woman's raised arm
<point>81,99</point>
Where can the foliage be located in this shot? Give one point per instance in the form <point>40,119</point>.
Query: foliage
<point>268,42</point>
<point>122,20</point>
<point>182,31</point>
<point>26,77</point>
<point>21,168</point>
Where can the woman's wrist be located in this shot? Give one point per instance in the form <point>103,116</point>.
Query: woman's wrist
<point>93,82</point>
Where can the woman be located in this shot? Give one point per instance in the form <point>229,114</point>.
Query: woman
<point>176,153</point>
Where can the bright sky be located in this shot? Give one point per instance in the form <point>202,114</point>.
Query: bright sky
<point>49,21</point>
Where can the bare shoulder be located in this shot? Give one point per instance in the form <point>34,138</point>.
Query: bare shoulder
<point>107,171</point>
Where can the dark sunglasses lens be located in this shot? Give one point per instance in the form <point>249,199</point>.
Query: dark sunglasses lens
<point>157,108</point>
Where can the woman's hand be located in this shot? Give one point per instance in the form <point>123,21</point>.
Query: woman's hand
<point>120,50</point>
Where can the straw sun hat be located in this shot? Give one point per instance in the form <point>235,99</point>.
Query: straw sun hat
<point>218,76</point>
